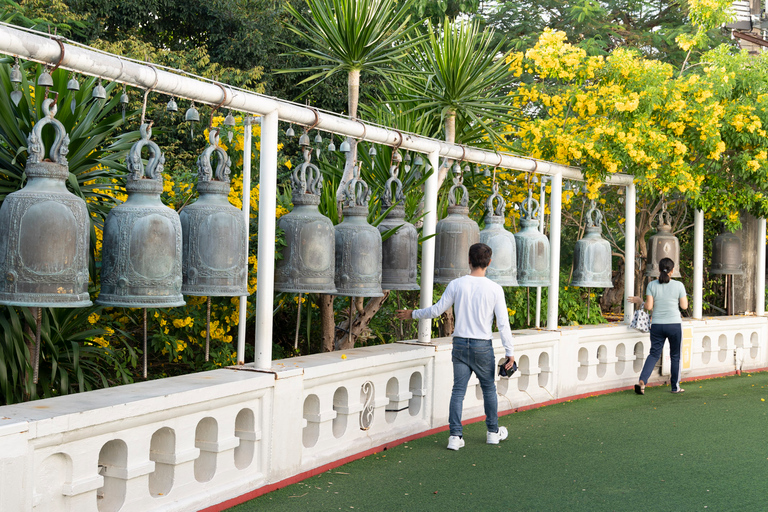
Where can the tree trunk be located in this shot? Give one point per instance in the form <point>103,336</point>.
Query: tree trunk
<point>446,324</point>
<point>353,98</point>
<point>450,137</point>
<point>328,323</point>
<point>360,322</point>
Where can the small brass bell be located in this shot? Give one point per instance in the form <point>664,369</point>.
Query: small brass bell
<point>289,132</point>
<point>142,245</point>
<point>454,235</point>
<point>532,247</point>
<point>726,255</point>
<point>358,245</point>
<point>45,79</point>
<point>332,146</point>
<point>214,259</point>
<point>192,115</point>
<point>503,267</point>
<point>318,139</point>
<point>399,252</point>
<point>172,106</point>
<point>73,84</point>
<point>309,254</point>
<point>99,92</point>
<point>304,139</point>
<point>15,73</point>
<point>592,255</point>
<point>45,229</point>
<point>229,120</point>
<point>345,147</point>
<point>663,244</point>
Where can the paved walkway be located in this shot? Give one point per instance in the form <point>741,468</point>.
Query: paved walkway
<point>706,449</point>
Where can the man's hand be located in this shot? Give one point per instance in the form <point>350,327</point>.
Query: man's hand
<point>510,362</point>
<point>404,314</point>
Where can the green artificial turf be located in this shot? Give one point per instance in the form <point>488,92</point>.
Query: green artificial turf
<point>705,449</point>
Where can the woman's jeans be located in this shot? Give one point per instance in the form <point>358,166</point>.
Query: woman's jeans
<point>473,355</point>
<point>659,334</point>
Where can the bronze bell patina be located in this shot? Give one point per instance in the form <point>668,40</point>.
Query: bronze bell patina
<point>44,229</point>
<point>726,255</point>
<point>592,255</point>
<point>454,235</point>
<point>358,245</point>
<point>400,250</point>
<point>663,244</point>
<point>532,247</point>
<point>214,260</point>
<point>308,261</point>
<point>503,267</point>
<point>141,260</point>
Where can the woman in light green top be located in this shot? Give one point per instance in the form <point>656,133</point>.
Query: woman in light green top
<point>664,298</point>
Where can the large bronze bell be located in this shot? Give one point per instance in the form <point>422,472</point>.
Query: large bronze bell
<point>308,261</point>
<point>399,252</point>
<point>726,255</point>
<point>214,259</point>
<point>532,247</point>
<point>454,235</point>
<point>503,267</point>
<point>358,245</point>
<point>44,229</point>
<point>141,260</point>
<point>592,255</point>
<point>663,244</point>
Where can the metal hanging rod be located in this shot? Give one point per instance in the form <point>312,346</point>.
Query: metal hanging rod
<point>47,50</point>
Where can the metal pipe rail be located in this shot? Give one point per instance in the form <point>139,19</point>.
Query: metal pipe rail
<point>30,46</point>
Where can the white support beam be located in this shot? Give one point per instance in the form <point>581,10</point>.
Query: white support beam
<point>555,219</point>
<point>698,264</point>
<point>428,246</point>
<point>630,205</point>
<point>760,270</point>
<point>265,274</point>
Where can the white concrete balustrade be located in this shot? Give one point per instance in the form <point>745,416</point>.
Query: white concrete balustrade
<point>190,442</point>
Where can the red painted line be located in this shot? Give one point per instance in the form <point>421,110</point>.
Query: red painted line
<point>371,451</point>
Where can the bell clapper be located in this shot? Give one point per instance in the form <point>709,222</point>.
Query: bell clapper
<point>208,330</point>
<point>351,312</point>
<point>39,324</point>
<point>298,325</point>
<point>145,343</point>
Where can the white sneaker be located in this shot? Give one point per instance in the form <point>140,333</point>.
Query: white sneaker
<point>495,437</point>
<point>455,442</point>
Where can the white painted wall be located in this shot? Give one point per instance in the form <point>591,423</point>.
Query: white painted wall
<point>185,443</point>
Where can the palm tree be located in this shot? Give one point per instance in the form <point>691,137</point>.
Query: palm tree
<point>353,36</point>
<point>461,77</point>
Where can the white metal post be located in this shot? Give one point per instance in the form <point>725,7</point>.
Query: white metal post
<point>630,204</point>
<point>541,230</point>
<point>428,246</point>
<point>760,270</point>
<point>555,211</point>
<point>265,275</point>
<point>247,143</point>
<point>698,263</point>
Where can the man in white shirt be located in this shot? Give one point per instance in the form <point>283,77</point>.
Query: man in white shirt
<point>476,300</point>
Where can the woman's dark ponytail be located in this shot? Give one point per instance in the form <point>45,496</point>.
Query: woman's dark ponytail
<point>665,268</point>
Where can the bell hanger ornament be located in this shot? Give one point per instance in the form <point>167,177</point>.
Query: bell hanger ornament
<point>142,245</point>
<point>44,229</point>
<point>503,267</point>
<point>454,235</point>
<point>172,106</point>
<point>309,254</point>
<point>45,79</point>
<point>399,252</point>
<point>726,255</point>
<point>99,92</point>
<point>663,244</point>
<point>358,245</point>
<point>592,255</point>
<point>214,259</point>
<point>15,78</point>
<point>532,247</point>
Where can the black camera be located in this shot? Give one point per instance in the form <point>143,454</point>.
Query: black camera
<point>503,372</point>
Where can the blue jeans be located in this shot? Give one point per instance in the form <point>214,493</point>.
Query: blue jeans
<point>473,355</point>
<point>659,334</point>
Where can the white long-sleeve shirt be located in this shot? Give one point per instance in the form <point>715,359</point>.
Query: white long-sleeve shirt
<point>475,300</point>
